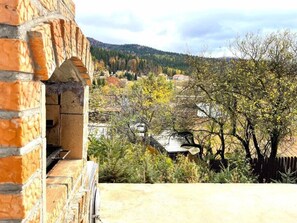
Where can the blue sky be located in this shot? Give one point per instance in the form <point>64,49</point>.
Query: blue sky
<point>184,26</point>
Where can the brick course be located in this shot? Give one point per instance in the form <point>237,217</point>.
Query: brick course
<point>18,169</point>
<point>42,51</point>
<point>16,12</point>
<point>58,43</point>
<point>17,132</point>
<point>18,95</point>
<point>15,56</point>
<point>18,206</point>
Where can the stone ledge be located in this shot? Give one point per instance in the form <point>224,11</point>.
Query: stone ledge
<point>67,175</point>
<point>66,172</point>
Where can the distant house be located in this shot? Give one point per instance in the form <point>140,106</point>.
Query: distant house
<point>180,77</point>
<point>113,81</point>
<point>116,82</point>
<point>208,110</point>
<point>164,75</point>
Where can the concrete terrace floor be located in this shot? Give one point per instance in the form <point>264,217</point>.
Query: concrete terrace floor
<point>193,203</point>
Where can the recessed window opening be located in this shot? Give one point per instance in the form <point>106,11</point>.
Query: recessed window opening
<point>64,115</point>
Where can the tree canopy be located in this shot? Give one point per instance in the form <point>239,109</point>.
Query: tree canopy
<point>147,102</point>
<point>254,92</point>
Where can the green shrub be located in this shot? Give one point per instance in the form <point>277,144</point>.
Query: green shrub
<point>287,177</point>
<point>161,168</point>
<point>123,162</point>
<point>110,155</point>
<point>186,171</point>
<point>238,170</point>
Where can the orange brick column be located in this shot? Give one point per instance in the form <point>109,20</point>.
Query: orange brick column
<point>36,37</point>
<point>22,140</point>
<point>21,147</point>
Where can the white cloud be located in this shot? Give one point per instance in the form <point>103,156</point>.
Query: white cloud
<point>182,26</point>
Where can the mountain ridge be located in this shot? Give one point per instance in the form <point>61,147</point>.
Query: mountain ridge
<point>131,48</point>
<point>120,57</point>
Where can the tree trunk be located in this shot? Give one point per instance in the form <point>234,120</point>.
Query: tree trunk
<point>222,142</point>
<point>246,146</point>
<point>247,150</point>
<point>244,141</point>
<point>274,138</point>
<point>255,141</point>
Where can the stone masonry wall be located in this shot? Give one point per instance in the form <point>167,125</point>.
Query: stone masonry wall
<point>36,37</point>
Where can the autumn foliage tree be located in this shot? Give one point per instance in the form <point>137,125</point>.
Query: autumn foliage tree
<point>255,92</point>
<point>267,88</point>
<point>147,102</point>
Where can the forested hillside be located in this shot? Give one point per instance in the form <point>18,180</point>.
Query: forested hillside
<point>137,59</point>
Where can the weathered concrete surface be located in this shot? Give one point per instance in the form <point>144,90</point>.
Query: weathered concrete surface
<point>191,203</point>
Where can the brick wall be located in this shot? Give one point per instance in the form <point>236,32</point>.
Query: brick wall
<point>36,37</point>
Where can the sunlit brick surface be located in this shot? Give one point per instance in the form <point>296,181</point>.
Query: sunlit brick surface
<point>18,169</point>
<point>51,5</point>
<point>14,56</point>
<point>16,12</point>
<point>18,132</point>
<point>42,51</point>
<point>58,43</point>
<point>17,206</point>
<point>18,96</point>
